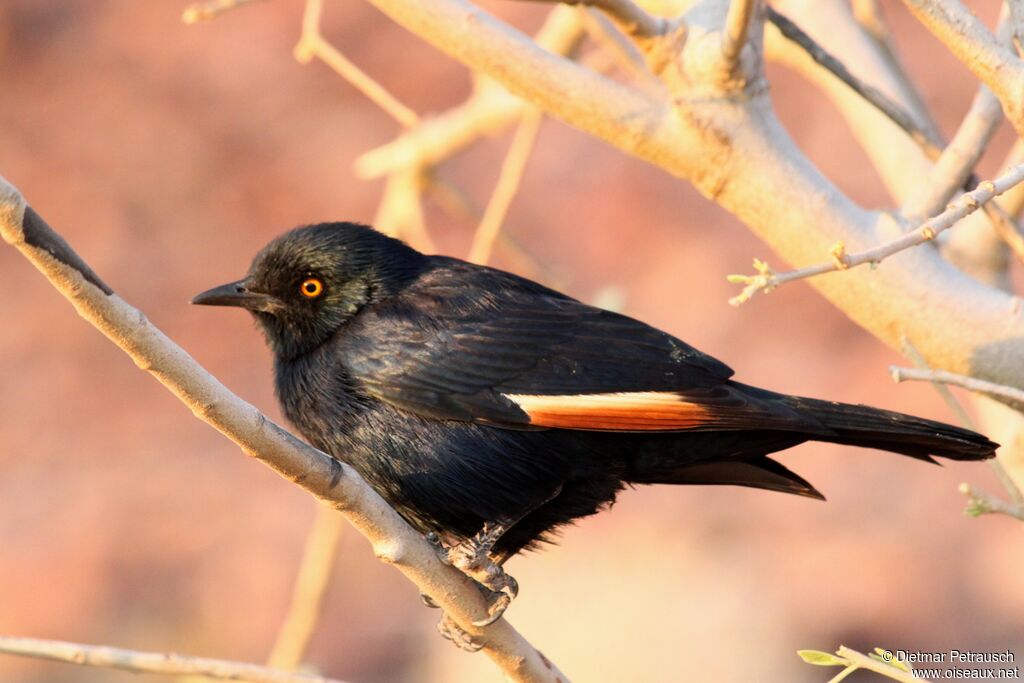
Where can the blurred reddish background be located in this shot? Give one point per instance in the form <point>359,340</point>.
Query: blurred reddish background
<point>167,155</point>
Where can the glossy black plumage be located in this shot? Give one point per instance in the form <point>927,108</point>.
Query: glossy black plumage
<point>467,395</point>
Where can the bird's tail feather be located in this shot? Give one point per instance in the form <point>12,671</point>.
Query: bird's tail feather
<point>859,425</point>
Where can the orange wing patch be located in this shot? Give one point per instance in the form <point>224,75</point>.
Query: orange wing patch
<point>625,411</point>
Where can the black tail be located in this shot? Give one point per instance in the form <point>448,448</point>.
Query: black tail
<point>858,425</point>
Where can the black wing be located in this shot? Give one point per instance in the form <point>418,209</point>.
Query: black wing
<point>469,343</point>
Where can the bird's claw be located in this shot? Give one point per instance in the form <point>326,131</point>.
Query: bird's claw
<point>449,630</point>
<point>472,558</point>
<point>499,601</point>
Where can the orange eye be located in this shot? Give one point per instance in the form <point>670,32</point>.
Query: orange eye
<point>311,288</point>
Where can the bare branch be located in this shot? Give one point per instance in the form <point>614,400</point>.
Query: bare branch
<point>1016,8</point>
<point>312,44</point>
<point>983,503</point>
<point>603,31</point>
<point>308,595</point>
<point>972,43</point>
<point>1012,394</point>
<point>488,110</point>
<point>997,464</point>
<point>734,34</point>
<point>902,118</point>
<point>767,280</point>
<point>957,161</point>
<point>209,9</point>
<point>334,483</point>
<point>506,187</point>
<point>629,16</point>
<point>151,662</point>
<point>400,213</point>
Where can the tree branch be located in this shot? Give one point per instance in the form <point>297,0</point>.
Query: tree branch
<point>767,280</point>
<point>897,114</point>
<point>734,34</point>
<point>312,44</point>
<point>508,184</point>
<point>332,482</point>
<point>489,109</point>
<point>981,503</point>
<point>166,663</point>
<point>957,161</point>
<point>972,43</point>
<point>629,16</point>
<point>1013,394</point>
<point>308,594</point>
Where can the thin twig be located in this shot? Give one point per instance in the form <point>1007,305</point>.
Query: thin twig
<point>869,15</point>
<point>965,419</point>
<point>900,374</point>
<point>734,34</point>
<point>766,279</point>
<point>167,663</point>
<point>489,109</point>
<point>209,9</point>
<point>334,483</point>
<point>308,595</point>
<point>983,503</point>
<point>311,44</point>
<point>956,162</point>
<point>505,189</point>
<point>901,117</point>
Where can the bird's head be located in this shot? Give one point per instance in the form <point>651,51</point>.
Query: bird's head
<point>307,283</point>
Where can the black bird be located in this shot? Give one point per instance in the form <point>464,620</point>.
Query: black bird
<point>490,410</point>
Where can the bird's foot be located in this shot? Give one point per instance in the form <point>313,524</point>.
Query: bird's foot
<point>463,640</point>
<point>472,557</point>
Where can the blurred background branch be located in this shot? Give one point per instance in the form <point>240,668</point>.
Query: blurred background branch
<point>165,663</point>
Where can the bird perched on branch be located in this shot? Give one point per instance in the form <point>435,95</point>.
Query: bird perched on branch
<point>489,410</point>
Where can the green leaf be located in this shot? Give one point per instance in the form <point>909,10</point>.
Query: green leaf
<point>819,658</point>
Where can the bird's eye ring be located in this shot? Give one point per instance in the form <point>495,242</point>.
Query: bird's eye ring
<point>311,288</point>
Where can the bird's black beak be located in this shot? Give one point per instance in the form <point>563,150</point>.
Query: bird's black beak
<point>238,294</point>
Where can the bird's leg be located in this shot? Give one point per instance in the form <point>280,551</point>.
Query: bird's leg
<point>447,627</point>
<point>473,558</point>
